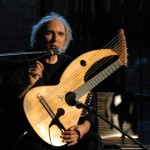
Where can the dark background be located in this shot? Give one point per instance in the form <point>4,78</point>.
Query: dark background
<point>94,24</point>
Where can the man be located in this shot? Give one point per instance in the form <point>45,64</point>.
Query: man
<point>51,32</point>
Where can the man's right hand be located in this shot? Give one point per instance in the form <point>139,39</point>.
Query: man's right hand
<point>35,72</point>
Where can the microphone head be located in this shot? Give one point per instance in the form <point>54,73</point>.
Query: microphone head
<point>55,51</point>
<point>80,105</point>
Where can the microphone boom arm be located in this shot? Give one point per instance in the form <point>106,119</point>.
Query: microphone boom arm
<point>51,51</point>
<point>81,105</point>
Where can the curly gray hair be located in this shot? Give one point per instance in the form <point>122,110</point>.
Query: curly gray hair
<point>35,33</point>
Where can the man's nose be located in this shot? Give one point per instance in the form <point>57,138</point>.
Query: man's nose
<point>54,37</point>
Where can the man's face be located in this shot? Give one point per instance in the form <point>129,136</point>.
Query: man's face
<point>55,34</point>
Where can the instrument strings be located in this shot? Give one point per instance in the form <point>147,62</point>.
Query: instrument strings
<point>117,45</point>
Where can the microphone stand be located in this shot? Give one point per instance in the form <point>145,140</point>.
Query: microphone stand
<point>45,54</point>
<point>94,111</point>
<point>49,51</point>
<point>20,53</point>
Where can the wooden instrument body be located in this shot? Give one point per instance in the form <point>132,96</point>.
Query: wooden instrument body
<point>42,104</point>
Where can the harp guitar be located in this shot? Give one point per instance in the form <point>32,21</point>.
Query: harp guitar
<point>51,109</point>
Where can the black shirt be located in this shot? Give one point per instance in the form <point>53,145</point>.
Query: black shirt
<point>16,79</point>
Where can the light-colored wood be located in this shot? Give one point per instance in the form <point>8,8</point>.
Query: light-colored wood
<point>54,97</point>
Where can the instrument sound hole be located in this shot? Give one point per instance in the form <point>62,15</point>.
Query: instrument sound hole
<point>83,63</point>
<point>60,112</point>
<point>70,98</point>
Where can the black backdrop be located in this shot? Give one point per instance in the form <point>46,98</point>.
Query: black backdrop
<point>94,24</point>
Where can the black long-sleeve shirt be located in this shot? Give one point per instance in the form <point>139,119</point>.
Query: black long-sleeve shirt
<point>16,79</point>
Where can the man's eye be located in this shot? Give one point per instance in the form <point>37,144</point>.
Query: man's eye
<point>61,34</point>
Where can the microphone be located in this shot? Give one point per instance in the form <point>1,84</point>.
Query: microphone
<point>79,105</point>
<point>49,52</point>
<point>55,51</point>
<point>33,55</point>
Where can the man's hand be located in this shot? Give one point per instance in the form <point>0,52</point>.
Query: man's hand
<point>35,72</point>
<point>72,135</point>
